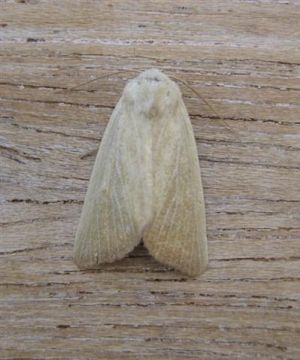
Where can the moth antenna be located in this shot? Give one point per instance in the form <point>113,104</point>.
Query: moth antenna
<point>220,118</point>
<point>94,151</point>
<point>101,77</point>
<point>185,83</point>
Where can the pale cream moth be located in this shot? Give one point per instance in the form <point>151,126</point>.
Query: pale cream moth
<point>146,182</point>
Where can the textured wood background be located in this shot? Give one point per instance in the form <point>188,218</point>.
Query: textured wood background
<point>244,58</point>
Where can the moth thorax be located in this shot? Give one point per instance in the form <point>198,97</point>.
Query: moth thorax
<point>152,98</point>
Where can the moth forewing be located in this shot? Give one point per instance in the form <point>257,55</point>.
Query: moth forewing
<point>112,217</point>
<point>177,235</point>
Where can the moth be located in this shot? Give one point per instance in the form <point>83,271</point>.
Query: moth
<point>145,183</point>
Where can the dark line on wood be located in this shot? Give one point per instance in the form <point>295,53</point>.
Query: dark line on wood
<point>241,143</point>
<point>264,259</point>
<point>228,212</point>
<point>26,250</point>
<point>273,121</point>
<point>31,221</point>
<point>55,132</point>
<point>45,202</point>
<point>257,228</point>
<point>272,200</point>
<point>59,102</point>
<point>19,152</point>
<point>246,163</point>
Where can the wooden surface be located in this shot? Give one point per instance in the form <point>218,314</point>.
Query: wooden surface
<point>244,58</point>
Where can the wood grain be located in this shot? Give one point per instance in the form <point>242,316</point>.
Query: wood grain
<point>244,58</point>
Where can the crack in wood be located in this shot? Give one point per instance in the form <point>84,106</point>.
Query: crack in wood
<point>19,152</point>
<point>246,163</point>
<point>39,87</point>
<point>242,143</point>
<point>264,259</point>
<point>48,131</point>
<point>45,202</point>
<point>249,119</point>
<point>34,220</point>
<point>26,250</point>
<point>61,102</point>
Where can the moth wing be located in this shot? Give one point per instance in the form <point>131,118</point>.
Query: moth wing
<point>177,234</point>
<point>113,215</point>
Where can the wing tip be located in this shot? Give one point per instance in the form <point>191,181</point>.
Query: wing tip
<point>84,259</point>
<point>193,267</point>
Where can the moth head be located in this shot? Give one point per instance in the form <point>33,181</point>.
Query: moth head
<point>152,94</point>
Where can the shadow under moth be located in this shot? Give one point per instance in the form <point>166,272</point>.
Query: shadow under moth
<point>145,183</point>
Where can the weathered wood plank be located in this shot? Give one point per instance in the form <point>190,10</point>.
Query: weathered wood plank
<point>243,57</point>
